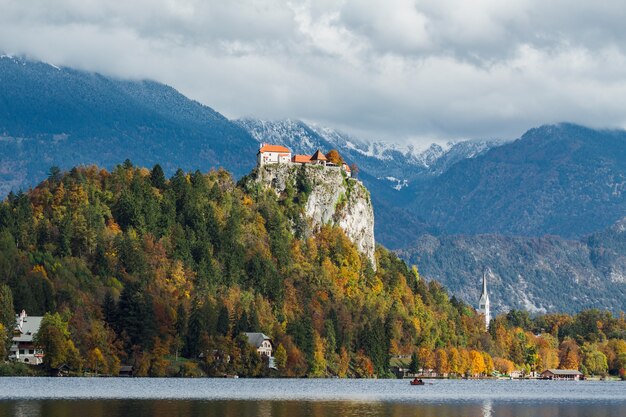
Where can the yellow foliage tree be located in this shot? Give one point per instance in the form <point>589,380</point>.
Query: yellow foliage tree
<point>489,366</point>
<point>442,365</point>
<point>454,358</point>
<point>477,363</point>
<point>504,366</point>
<point>96,361</point>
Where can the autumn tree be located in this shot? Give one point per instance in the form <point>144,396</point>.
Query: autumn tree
<point>95,361</point>
<point>454,358</point>
<point>280,357</point>
<point>504,366</point>
<point>442,366</point>
<point>569,355</point>
<point>334,157</point>
<point>477,363</point>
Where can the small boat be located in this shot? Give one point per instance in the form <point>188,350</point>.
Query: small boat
<point>417,382</point>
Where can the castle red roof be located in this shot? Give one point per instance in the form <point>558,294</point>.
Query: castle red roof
<point>301,159</point>
<point>274,148</point>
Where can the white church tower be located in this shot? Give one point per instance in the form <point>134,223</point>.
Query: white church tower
<point>483,305</point>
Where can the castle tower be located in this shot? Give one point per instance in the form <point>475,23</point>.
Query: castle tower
<point>483,304</point>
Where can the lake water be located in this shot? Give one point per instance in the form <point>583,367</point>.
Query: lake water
<point>117,397</point>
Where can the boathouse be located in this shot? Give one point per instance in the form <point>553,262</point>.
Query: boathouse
<point>562,374</point>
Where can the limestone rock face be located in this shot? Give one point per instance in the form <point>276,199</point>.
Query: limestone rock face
<point>334,199</point>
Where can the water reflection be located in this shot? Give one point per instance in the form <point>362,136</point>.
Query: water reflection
<point>487,408</point>
<point>27,409</point>
<point>237,408</point>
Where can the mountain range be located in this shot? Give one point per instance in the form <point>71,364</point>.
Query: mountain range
<point>539,209</point>
<point>538,274</point>
<point>62,117</point>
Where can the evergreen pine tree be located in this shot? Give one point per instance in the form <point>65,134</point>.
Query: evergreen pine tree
<point>109,310</point>
<point>223,322</point>
<point>157,177</point>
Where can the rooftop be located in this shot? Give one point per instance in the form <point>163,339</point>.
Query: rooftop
<point>273,148</point>
<point>256,339</point>
<point>318,156</point>
<point>30,326</point>
<point>563,371</point>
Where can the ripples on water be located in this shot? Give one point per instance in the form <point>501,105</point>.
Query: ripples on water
<point>114,397</point>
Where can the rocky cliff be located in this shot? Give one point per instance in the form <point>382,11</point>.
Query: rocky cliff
<point>334,198</point>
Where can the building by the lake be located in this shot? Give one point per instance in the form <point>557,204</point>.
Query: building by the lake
<point>261,342</point>
<point>562,374</point>
<point>23,345</point>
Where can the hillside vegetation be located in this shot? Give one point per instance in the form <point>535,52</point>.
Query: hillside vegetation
<point>130,267</point>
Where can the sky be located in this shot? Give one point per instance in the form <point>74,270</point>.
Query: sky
<point>392,70</point>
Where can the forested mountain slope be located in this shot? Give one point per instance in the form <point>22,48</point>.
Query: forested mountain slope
<point>564,180</point>
<point>62,117</point>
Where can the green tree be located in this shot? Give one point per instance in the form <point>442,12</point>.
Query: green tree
<point>55,340</point>
<point>109,309</point>
<point>157,177</point>
<point>414,366</point>
<point>7,316</point>
<point>594,361</point>
<point>223,322</point>
<point>180,326</point>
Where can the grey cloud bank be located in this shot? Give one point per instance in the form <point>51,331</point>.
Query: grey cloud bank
<point>398,70</point>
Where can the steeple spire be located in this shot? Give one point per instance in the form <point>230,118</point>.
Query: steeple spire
<point>485,283</point>
<point>483,305</point>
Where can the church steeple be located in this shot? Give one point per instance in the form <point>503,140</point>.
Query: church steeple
<point>483,305</point>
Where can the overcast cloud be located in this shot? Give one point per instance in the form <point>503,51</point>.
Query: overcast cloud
<point>387,69</point>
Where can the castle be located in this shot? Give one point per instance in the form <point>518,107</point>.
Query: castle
<point>276,154</point>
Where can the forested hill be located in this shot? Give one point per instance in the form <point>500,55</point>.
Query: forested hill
<point>130,267</point>
<point>142,267</point>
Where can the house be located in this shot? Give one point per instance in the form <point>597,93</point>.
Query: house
<point>516,374</point>
<point>23,346</point>
<point>562,374</point>
<point>261,342</point>
<point>400,366</point>
<point>126,370</point>
<point>273,154</point>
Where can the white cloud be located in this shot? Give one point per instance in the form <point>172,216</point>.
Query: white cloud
<point>391,69</point>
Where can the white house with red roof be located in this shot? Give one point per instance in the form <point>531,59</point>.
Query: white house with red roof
<point>273,154</point>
